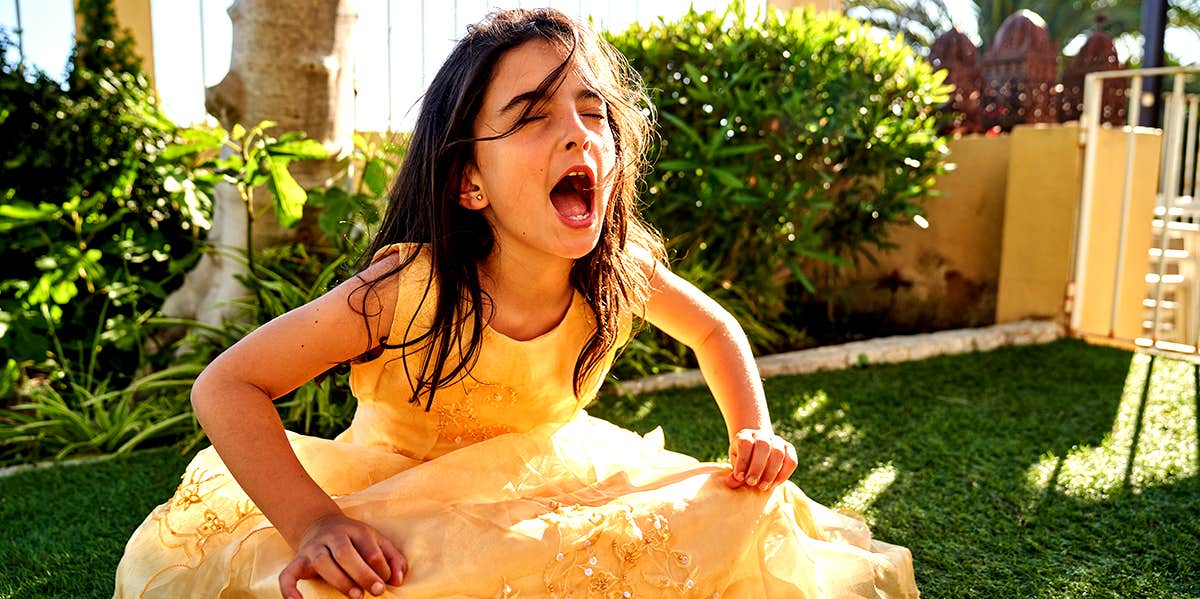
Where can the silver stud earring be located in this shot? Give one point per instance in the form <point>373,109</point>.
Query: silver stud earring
<point>478,197</point>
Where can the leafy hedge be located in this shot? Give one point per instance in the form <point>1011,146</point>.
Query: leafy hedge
<point>111,199</point>
<point>789,141</point>
<point>86,191</point>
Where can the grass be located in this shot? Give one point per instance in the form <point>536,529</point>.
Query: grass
<point>65,527</point>
<point>1060,470</point>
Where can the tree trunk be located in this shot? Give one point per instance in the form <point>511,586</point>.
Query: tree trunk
<point>293,64</point>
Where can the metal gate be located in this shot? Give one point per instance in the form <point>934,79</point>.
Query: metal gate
<point>1170,304</point>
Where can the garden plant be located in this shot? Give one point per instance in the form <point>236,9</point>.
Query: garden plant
<point>789,143</point>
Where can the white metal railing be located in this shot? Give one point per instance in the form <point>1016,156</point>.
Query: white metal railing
<point>1171,308</point>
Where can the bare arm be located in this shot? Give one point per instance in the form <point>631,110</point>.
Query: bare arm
<point>233,399</point>
<point>760,457</point>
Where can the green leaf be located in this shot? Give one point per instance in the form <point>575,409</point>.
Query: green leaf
<point>376,177</point>
<point>801,277</point>
<point>259,130</point>
<point>305,149</point>
<point>289,136</point>
<point>156,429</point>
<point>177,151</point>
<point>684,127</point>
<point>250,172</point>
<point>738,150</point>
<point>231,163</point>
<point>676,165</point>
<point>289,196</point>
<point>201,135</point>
<point>21,213</point>
<point>63,292</point>
<point>727,178</point>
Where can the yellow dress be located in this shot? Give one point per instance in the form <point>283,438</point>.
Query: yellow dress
<point>508,488</point>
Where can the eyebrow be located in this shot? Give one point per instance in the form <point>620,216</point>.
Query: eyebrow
<point>533,96</point>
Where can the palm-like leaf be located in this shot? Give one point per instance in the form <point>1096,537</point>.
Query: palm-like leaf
<point>920,22</point>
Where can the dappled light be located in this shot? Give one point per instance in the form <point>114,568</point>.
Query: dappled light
<point>811,404</point>
<point>1134,455</point>
<point>832,426</point>
<point>864,494</point>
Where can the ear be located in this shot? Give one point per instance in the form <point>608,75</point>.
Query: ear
<point>470,193</point>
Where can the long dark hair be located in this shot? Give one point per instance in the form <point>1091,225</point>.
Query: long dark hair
<point>423,202</point>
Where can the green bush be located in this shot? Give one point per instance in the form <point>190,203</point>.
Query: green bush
<point>788,143</point>
<point>68,412</point>
<point>111,199</point>
<point>96,221</point>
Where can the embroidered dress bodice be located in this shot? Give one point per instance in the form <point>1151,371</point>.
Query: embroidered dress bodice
<point>513,385</point>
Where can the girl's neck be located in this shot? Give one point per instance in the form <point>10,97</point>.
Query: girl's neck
<point>530,294</point>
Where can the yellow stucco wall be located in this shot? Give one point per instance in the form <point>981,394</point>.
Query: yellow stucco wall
<point>134,15</point>
<point>1041,208</point>
<point>1039,221</point>
<point>945,275</point>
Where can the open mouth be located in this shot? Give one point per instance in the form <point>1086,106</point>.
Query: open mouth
<point>572,196</point>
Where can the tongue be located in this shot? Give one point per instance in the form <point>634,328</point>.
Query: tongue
<point>569,203</point>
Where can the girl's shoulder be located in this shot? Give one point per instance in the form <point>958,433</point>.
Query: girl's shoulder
<point>401,255</point>
<point>395,267</point>
<point>399,282</point>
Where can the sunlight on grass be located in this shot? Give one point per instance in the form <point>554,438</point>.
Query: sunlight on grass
<point>811,404</point>
<point>864,494</point>
<point>833,427</point>
<point>1133,455</point>
<point>813,423</point>
<point>643,409</point>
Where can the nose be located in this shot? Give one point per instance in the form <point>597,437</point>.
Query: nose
<point>576,133</point>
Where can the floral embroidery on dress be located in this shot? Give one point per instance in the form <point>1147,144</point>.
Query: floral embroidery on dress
<point>192,515</point>
<point>459,419</point>
<point>618,554</point>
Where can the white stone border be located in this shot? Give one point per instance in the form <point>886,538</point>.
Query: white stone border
<point>884,350</point>
<point>91,459</point>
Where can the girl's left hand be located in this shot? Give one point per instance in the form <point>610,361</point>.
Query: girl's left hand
<point>760,459</point>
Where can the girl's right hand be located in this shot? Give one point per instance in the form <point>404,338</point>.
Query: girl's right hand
<point>346,553</point>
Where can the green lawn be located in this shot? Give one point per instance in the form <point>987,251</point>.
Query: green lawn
<point>1045,471</point>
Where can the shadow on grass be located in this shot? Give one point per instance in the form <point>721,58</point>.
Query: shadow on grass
<point>1060,470</point>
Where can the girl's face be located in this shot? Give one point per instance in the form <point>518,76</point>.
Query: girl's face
<point>546,188</point>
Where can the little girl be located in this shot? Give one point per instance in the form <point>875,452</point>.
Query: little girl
<point>501,284</point>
